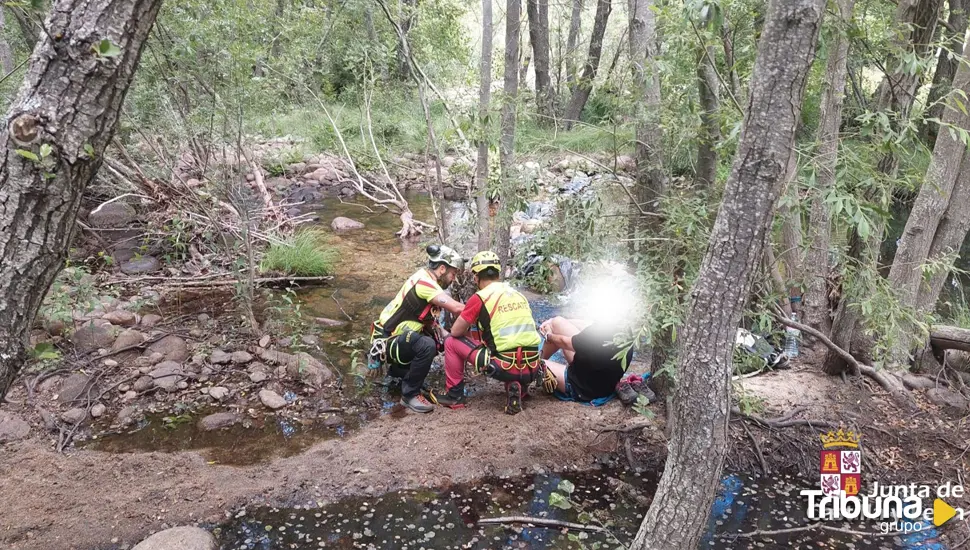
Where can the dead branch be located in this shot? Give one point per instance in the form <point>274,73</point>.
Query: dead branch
<point>542,522</point>
<point>757,448</point>
<point>334,298</point>
<point>783,422</point>
<point>626,428</point>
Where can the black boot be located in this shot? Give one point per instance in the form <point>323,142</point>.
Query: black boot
<point>454,398</point>
<point>514,403</point>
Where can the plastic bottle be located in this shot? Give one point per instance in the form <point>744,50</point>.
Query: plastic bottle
<point>792,335</point>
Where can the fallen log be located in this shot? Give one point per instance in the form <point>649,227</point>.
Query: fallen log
<point>943,337</point>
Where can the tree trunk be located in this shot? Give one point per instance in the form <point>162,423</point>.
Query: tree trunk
<point>950,234</point>
<point>28,30</point>
<point>709,91</point>
<point>65,115</point>
<point>484,98</point>
<point>6,56</point>
<point>276,29</point>
<point>791,230</point>
<point>946,67</point>
<point>923,226</point>
<point>407,10</point>
<point>507,141</point>
<point>701,408</point>
<point>815,305</point>
<point>525,51</point>
<point>538,11</point>
<point>585,84</point>
<point>727,43</point>
<point>572,43</point>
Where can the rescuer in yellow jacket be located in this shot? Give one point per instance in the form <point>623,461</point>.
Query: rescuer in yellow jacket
<point>405,335</point>
<point>509,346</point>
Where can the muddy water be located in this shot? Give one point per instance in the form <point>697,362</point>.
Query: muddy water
<point>448,518</point>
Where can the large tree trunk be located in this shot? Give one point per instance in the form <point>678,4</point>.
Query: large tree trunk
<point>68,108</point>
<point>6,56</point>
<point>572,43</point>
<point>709,91</point>
<point>507,142</point>
<point>727,43</point>
<point>946,66</point>
<point>701,408</point>
<point>538,11</point>
<point>585,84</point>
<point>815,306</point>
<point>407,12</point>
<point>923,228</point>
<point>484,98</point>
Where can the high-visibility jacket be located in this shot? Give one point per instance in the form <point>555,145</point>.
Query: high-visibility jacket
<point>505,320</point>
<point>411,306</point>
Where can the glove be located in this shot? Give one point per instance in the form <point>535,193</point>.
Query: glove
<point>375,358</point>
<point>549,382</point>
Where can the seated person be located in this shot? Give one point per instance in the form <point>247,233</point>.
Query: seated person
<point>405,334</point>
<point>509,346</point>
<point>591,372</point>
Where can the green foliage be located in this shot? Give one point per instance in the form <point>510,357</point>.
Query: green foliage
<point>305,254</point>
<point>74,290</point>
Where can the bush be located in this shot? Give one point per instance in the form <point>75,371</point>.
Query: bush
<point>305,254</point>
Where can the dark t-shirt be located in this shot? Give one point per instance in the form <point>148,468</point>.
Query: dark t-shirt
<point>594,372</point>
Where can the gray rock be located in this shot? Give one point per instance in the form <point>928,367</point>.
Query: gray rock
<point>196,333</point>
<point>155,358</point>
<point>914,382</point>
<point>74,416</point>
<point>142,264</point>
<point>172,347</point>
<point>150,320</point>
<point>219,357</point>
<point>296,168</point>
<point>167,375</point>
<point>129,396</point>
<point>218,421</point>
<point>218,393</point>
<point>310,340</point>
<point>333,421</point>
<point>75,387</point>
<point>125,414</point>
<point>179,538</point>
<point>341,223</point>
<point>271,399</point>
<point>241,357</point>
<point>144,383</point>
<point>98,410</point>
<point>110,363</point>
<point>258,376</point>
<point>115,214</point>
<point>120,317</point>
<point>286,342</point>
<point>947,398</point>
<point>182,385</point>
<point>329,322</point>
<point>92,337</point>
<point>126,339</point>
<point>264,341</point>
<point>203,318</point>
<point>12,427</point>
<point>448,162</point>
<point>302,366</point>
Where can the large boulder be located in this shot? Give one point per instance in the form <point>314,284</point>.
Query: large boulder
<point>271,399</point>
<point>341,223</point>
<point>120,317</point>
<point>127,339</point>
<point>115,214</point>
<point>179,538</point>
<point>12,427</point>
<point>167,375</point>
<point>141,264</point>
<point>77,386</point>
<point>92,337</point>
<point>172,347</point>
<point>75,415</point>
<point>948,399</point>
<point>218,421</point>
<point>301,366</point>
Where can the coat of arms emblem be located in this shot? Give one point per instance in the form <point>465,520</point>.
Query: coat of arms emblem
<point>841,463</point>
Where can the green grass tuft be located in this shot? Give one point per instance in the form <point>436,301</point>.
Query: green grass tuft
<point>305,254</point>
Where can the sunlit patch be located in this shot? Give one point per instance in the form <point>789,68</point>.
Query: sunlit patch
<point>607,294</point>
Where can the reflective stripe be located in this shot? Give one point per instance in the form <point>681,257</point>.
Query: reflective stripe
<point>515,329</point>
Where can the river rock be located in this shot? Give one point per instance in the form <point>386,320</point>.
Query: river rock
<point>150,320</point>
<point>179,538</point>
<point>341,223</point>
<point>129,396</point>
<point>125,414</point>
<point>98,410</point>
<point>333,421</point>
<point>258,376</point>
<point>296,168</point>
<point>310,340</point>
<point>141,264</point>
<point>167,375</point>
<point>126,339</point>
<point>241,357</point>
<point>115,214</point>
<point>172,347</point>
<point>219,357</point>
<point>271,399</point>
<point>218,393</point>
<point>74,416</point>
<point>144,383</point>
<point>12,427</point>
<point>120,318</point>
<point>947,398</point>
<point>154,359</point>
<point>92,337</point>
<point>301,366</point>
<point>76,386</point>
<point>218,421</point>
<point>914,382</point>
<point>264,341</point>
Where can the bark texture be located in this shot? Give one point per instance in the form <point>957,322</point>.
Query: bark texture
<point>70,102</point>
<point>538,11</point>
<point>815,305</point>
<point>6,55</point>
<point>946,66</point>
<point>572,43</point>
<point>585,84</point>
<point>701,407</point>
<point>650,180</point>
<point>484,98</point>
<point>513,14</point>
<point>709,91</point>
<point>727,43</point>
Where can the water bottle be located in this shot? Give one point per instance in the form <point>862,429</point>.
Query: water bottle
<point>792,335</point>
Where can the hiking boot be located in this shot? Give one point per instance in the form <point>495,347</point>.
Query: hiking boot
<point>514,403</point>
<point>641,388</point>
<point>417,404</point>
<point>624,390</point>
<point>454,398</point>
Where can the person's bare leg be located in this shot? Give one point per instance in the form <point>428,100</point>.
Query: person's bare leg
<point>565,327</point>
<point>559,370</point>
<point>580,324</point>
